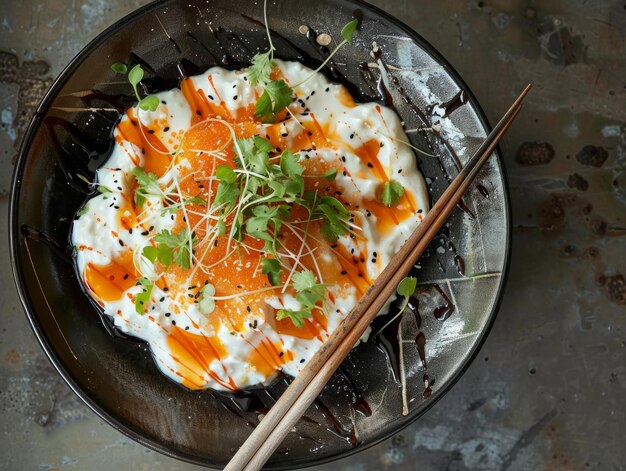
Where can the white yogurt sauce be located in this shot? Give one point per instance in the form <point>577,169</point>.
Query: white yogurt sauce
<point>101,237</point>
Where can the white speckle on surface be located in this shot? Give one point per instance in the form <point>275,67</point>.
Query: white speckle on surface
<point>6,118</point>
<point>612,130</point>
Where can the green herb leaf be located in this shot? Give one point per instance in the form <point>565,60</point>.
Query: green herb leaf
<point>297,317</point>
<point>303,280</point>
<point>150,253</point>
<point>289,164</point>
<point>147,185</point>
<point>335,217</point>
<point>119,68</point>
<point>407,286</point>
<point>104,189</point>
<point>255,153</point>
<point>276,96</point>
<point>141,299</point>
<point>262,65</point>
<point>83,210</point>
<point>135,75</point>
<point>330,175</point>
<point>173,248</point>
<point>195,200</point>
<point>225,174</point>
<point>392,191</point>
<point>348,30</point>
<point>227,193</point>
<point>149,103</point>
<point>271,268</point>
<point>310,293</point>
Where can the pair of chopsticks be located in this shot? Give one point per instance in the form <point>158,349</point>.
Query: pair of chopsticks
<point>293,403</point>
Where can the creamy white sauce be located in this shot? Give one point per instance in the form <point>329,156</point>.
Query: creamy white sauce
<point>99,228</point>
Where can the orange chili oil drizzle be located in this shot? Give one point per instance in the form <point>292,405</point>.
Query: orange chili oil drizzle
<point>238,272</point>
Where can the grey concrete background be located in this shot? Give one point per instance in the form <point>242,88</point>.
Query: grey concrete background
<point>548,390</point>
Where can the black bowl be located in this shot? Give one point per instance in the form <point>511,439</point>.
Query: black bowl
<point>70,135</point>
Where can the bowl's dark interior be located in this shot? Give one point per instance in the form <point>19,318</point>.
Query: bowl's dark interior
<point>71,136</point>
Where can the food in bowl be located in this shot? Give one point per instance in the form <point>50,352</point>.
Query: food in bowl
<point>241,216</point>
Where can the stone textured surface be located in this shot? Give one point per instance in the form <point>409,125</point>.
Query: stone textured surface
<point>548,389</point>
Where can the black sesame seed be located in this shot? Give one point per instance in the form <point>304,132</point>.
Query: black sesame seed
<point>130,231</point>
<point>143,150</point>
<point>162,299</point>
<point>168,314</point>
<point>352,136</point>
<point>373,260</point>
<point>166,289</point>
<point>302,361</point>
<point>186,327</point>
<point>173,322</point>
<point>235,97</point>
<point>126,276</point>
<point>285,134</point>
<point>151,228</point>
<point>150,131</point>
<point>248,308</point>
<point>370,165</point>
<point>120,241</point>
<point>281,354</point>
<point>343,158</point>
<point>211,97</point>
<point>198,112</point>
<point>166,128</point>
<point>327,89</point>
<point>344,272</point>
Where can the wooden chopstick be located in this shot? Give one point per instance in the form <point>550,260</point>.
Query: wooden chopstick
<point>311,380</point>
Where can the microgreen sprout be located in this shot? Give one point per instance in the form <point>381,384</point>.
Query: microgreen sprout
<point>277,94</point>
<point>310,294</point>
<point>405,288</point>
<point>391,193</point>
<point>135,75</point>
<point>346,33</point>
<point>171,248</point>
<point>206,303</point>
<point>141,299</point>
